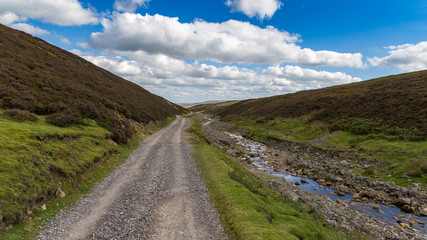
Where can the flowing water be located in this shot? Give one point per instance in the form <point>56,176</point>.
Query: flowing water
<point>386,214</point>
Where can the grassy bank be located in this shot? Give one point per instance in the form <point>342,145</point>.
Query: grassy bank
<point>37,158</point>
<point>397,156</point>
<point>249,209</point>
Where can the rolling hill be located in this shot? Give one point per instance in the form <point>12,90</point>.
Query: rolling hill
<point>64,124</point>
<point>40,78</point>
<point>393,103</point>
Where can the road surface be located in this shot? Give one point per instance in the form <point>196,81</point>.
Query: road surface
<point>156,194</point>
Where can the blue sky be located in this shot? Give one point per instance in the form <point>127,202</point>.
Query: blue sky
<point>191,51</point>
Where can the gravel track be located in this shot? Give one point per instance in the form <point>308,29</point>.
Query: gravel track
<point>156,194</point>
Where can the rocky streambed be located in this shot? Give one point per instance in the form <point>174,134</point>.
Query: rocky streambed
<point>344,199</point>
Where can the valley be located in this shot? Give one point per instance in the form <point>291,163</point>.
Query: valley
<point>361,210</point>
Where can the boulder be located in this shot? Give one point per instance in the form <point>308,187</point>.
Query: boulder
<point>339,193</point>
<point>403,201</point>
<point>341,203</point>
<point>375,207</point>
<point>304,181</point>
<point>404,225</point>
<point>292,196</point>
<point>330,223</point>
<point>407,208</point>
<point>424,211</point>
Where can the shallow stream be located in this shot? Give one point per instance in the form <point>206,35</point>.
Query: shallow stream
<point>386,214</point>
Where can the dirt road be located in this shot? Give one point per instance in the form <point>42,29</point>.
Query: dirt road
<point>156,194</point>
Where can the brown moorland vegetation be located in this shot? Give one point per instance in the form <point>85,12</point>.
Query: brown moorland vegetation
<point>40,78</point>
<point>392,104</point>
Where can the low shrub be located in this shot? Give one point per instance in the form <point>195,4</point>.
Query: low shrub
<point>56,107</point>
<point>375,129</point>
<point>358,126</point>
<point>64,119</point>
<point>416,168</point>
<point>21,115</point>
<point>122,131</point>
<point>88,110</point>
<point>11,103</point>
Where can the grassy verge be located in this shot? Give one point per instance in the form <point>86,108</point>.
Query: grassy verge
<point>37,158</point>
<point>397,158</point>
<point>248,208</point>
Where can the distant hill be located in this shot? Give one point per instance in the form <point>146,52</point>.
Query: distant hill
<point>211,106</point>
<point>199,103</point>
<point>399,102</point>
<point>43,79</point>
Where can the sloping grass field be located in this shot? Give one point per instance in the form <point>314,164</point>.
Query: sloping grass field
<point>38,158</point>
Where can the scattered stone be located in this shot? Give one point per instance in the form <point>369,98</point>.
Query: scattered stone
<point>424,211</point>
<point>43,207</point>
<point>330,223</point>
<point>297,183</point>
<point>407,208</point>
<point>341,203</point>
<point>60,193</point>
<point>403,201</point>
<point>339,193</point>
<point>375,207</point>
<point>110,141</point>
<point>405,225</point>
<point>413,222</point>
<point>292,196</point>
<point>304,181</point>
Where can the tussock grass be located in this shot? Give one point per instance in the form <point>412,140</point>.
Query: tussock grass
<point>396,157</point>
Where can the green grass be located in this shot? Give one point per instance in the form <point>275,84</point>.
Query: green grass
<point>36,158</point>
<point>293,129</point>
<point>248,208</point>
<point>397,157</point>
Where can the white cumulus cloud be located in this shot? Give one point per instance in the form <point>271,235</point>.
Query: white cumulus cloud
<point>60,12</point>
<point>259,8</point>
<point>129,5</point>
<point>305,75</point>
<point>227,42</point>
<point>406,57</point>
<point>117,65</point>
<point>28,28</point>
<point>9,17</point>
<point>180,81</point>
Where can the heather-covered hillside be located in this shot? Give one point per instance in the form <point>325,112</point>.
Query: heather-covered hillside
<point>397,103</point>
<point>43,79</point>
